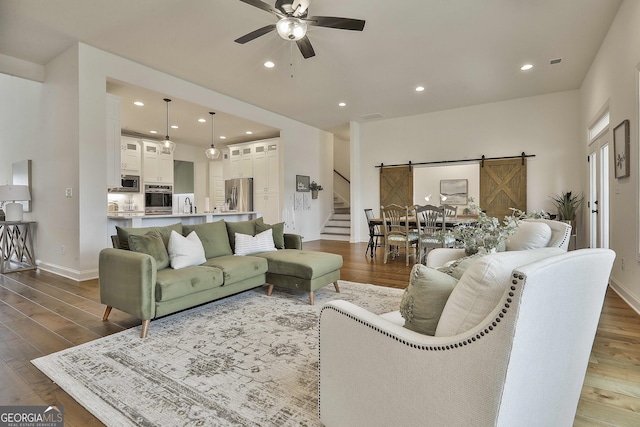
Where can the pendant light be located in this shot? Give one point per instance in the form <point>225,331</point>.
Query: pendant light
<point>212,153</point>
<point>167,143</point>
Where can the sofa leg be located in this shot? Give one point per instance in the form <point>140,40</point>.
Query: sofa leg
<point>145,328</point>
<point>107,311</point>
<point>311,298</point>
<point>270,290</point>
<point>336,286</point>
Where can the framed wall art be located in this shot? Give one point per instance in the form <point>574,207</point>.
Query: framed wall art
<point>302,183</point>
<point>454,191</point>
<point>621,149</point>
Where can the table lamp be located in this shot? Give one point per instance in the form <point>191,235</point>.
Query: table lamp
<point>12,193</point>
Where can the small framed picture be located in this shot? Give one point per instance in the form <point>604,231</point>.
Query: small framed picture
<point>302,183</point>
<point>453,191</point>
<point>621,149</point>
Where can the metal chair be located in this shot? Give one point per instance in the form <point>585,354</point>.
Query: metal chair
<point>432,226</point>
<point>376,236</point>
<point>396,231</point>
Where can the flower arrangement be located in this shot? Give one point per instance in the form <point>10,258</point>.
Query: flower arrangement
<point>487,231</point>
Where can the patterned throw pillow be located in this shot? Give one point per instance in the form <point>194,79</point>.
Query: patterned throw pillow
<point>261,242</point>
<point>424,299</point>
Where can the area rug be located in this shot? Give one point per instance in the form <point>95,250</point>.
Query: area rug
<point>246,360</point>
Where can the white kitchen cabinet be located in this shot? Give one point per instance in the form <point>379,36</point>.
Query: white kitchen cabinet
<point>113,140</point>
<point>266,167</point>
<point>216,184</point>
<point>241,161</point>
<point>268,205</point>
<point>130,156</point>
<point>157,164</point>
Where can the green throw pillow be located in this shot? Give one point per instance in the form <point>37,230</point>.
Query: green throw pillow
<point>424,299</point>
<point>165,232</point>
<point>151,244</point>
<point>242,227</point>
<point>278,231</point>
<point>213,236</point>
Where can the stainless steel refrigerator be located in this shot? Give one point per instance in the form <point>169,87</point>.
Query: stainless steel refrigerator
<point>238,193</point>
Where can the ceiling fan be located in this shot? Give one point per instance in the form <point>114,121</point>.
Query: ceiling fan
<point>293,21</point>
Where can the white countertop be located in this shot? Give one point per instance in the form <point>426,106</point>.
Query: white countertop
<point>128,215</point>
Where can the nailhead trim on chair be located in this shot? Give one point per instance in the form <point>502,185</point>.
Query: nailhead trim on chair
<point>517,278</point>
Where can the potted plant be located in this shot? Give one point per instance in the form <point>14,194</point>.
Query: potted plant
<point>567,205</point>
<point>315,187</point>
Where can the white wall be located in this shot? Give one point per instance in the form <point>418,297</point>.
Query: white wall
<point>613,79</point>
<point>67,144</point>
<point>341,163</point>
<point>426,180</point>
<point>546,126</point>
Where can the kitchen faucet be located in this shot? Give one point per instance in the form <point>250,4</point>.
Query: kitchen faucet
<point>187,199</point>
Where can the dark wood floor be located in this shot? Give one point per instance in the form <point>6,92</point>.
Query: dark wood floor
<point>41,313</point>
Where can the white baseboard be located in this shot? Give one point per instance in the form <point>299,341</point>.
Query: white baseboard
<point>627,296</point>
<point>78,276</point>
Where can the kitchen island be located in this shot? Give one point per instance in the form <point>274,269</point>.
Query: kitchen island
<point>128,219</point>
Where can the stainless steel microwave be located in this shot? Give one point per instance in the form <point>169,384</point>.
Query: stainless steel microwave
<point>128,184</point>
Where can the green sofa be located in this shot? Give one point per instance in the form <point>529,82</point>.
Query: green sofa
<point>138,280</point>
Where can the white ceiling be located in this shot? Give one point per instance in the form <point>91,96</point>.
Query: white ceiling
<point>464,52</point>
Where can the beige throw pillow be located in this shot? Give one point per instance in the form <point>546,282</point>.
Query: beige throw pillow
<point>482,287</point>
<point>424,298</point>
<point>529,235</point>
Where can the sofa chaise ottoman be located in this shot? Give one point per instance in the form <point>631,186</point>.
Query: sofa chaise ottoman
<point>304,270</point>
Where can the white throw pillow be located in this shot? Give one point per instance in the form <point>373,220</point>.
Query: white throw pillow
<point>261,242</point>
<point>529,235</point>
<point>185,251</point>
<point>481,288</point>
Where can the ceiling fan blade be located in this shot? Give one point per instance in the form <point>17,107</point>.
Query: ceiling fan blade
<point>300,7</point>
<point>305,47</point>
<point>336,22</point>
<point>255,34</point>
<point>264,6</point>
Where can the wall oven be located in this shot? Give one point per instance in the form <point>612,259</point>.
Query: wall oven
<point>158,199</point>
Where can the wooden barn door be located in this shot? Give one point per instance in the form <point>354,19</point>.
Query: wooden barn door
<point>396,185</point>
<point>503,185</point>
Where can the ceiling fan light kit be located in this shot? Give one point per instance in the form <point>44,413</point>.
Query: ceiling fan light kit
<point>293,23</point>
<point>291,28</point>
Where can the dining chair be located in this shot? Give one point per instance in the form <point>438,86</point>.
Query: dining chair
<point>432,229</point>
<point>376,236</point>
<point>451,211</point>
<point>396,219</point>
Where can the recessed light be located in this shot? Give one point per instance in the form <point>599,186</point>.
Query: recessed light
<point>419,88</point>
<point>223,137</point>
<point>249,132</point>
<point>139,103</point>
<point>526,67</point>
<point>153,131</point>
<point>269,64</point>
<point>174,126</point>
<point>202,120</point>
<point>342,104</point>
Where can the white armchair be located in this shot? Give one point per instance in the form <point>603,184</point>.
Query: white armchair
<point>560,234</point>
<point>523,365</point>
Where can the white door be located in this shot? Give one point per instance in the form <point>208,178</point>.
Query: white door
<point>598,203</point>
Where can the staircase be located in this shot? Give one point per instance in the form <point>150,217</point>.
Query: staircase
<point>339,225</point>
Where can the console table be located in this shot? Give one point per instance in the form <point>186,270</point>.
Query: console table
<point>16,246</point>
